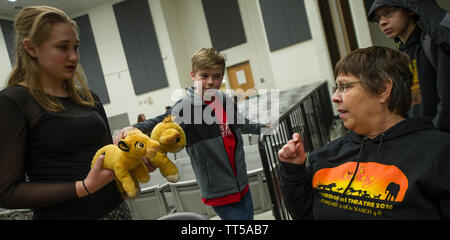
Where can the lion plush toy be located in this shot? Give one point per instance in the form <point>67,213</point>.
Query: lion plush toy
<point>125,160</point>
<point>171,138</point>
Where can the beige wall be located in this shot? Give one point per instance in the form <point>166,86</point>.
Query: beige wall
<point>181,30</point>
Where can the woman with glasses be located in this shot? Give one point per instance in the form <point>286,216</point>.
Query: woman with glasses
<point>429,61</point>
<point>387,166</point>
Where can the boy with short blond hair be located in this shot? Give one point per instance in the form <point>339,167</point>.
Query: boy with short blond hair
<point>207,58</point>
<point>213,130</point>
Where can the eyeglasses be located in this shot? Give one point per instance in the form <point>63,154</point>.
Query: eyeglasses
<point>388,13</point>
<point>343,86</point>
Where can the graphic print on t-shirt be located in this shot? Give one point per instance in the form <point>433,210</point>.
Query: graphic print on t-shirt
<point>415,88</point>
<point>376,187</point>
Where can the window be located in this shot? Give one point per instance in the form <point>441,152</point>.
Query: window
<point>89,59</point>
<point>138,36</point>
<point>8,34</point>
<point>224,23</point>
<point>285,22</point>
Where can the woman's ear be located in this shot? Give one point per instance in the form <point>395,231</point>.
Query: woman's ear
<point>386,93</point>
<point>29,47</point>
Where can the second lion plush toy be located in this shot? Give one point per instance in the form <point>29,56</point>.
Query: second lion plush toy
<point>125,160</point>
<point>171,138</point>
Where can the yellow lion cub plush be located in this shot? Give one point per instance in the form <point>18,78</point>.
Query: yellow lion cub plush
<point>125,160</point>
<point>171,138</point>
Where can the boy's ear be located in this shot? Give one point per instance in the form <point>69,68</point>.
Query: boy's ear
<point>29,48</point>
<point>192,75</point>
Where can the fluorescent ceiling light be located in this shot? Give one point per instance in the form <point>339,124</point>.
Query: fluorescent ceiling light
<point>12,0</point>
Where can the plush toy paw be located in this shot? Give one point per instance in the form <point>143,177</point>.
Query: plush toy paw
<point>132,194</point>
<point>173,178</point>
<point>152,147</point>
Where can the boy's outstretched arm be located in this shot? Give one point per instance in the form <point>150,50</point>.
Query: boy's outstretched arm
<point>145,127</point>
<point>252,127</point>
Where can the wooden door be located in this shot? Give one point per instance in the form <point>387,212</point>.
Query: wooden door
<point>240,76</point>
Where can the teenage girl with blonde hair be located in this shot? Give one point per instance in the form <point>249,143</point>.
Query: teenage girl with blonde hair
<point>52,125</point>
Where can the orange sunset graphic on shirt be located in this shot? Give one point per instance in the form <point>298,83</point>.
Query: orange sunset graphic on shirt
<point>372,181</point>
<point>376,187</point>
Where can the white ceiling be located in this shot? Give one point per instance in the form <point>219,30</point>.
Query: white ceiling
<point>7,8</point>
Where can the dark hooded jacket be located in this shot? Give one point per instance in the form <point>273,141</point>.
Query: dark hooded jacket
<point>401,174</point>
<point>204,143</point>
<point>431,86</point>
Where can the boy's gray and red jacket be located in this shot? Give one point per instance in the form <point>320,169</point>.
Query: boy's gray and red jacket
<point>204,143</point>
<point>433,101</point>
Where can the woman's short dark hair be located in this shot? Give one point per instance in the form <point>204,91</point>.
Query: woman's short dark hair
<point>374,66</point>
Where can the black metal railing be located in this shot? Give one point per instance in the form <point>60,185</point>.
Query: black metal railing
<point>312,117</point>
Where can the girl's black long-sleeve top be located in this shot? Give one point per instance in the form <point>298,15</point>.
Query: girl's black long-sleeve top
<point>43,154</point>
